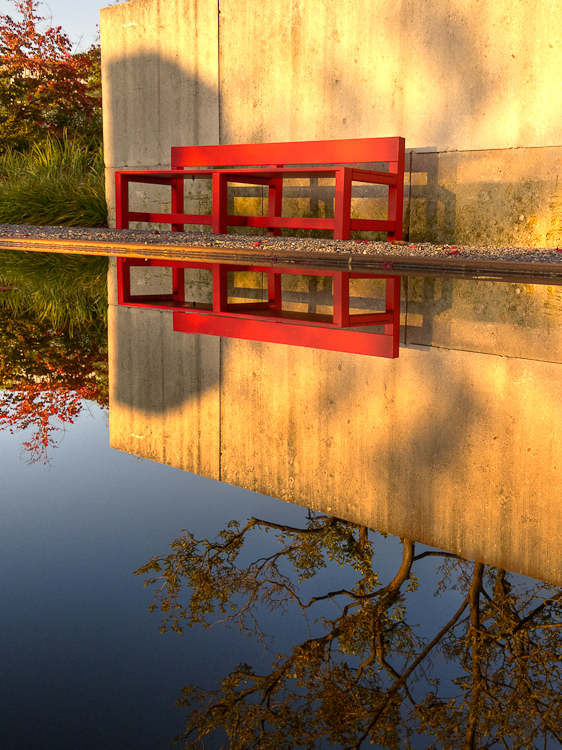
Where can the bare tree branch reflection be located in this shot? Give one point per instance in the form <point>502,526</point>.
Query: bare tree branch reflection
<point>365,675</point>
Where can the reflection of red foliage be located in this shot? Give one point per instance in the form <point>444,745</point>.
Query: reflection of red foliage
<point>47,376</point>
<point>35,406</point>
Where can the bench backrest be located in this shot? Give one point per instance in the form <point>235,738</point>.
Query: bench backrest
<point>349,151</point>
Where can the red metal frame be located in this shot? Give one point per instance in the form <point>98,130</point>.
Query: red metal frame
<point>271,163</point>
<point>267,321</point>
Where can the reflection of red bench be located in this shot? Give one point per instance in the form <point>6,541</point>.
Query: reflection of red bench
<point>266,164</point>
<point>267,321</point>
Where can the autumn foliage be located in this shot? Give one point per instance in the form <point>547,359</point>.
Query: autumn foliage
<point>44,86</point>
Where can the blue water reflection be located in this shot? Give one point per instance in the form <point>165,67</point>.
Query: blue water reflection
<point>84,665</point>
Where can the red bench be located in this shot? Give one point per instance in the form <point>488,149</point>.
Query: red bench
<point>268,164</point>
<point>267,320</point>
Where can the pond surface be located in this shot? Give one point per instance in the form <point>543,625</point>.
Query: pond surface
<point>308,630</point>
<point>84,664</point>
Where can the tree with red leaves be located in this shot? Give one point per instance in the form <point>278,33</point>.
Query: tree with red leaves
<point>44,86</point>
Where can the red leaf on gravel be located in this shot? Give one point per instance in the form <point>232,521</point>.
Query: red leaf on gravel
<point>559,249</point>
<point>257,244</point>
<point>454,252</point>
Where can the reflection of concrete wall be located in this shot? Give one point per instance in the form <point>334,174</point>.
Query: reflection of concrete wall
<point>479,79</point>
<point>167,384</point>
<point>511,320</point>
<point>454,444</point>
<point>454,449</point>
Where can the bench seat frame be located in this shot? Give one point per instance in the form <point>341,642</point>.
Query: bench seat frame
<point>240,164</point>
<point>266,320</point>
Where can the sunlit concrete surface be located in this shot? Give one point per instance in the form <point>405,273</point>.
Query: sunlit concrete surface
<point>455,444</point>
<point>455,449</point>
<point>473,87</point>
<point>504,196</point>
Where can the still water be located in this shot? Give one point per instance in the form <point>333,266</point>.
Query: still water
<point>292,629</point>
<point>84,663</point>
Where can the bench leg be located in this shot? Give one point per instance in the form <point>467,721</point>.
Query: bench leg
<point>219,225</point>
<point>220,288</point>
<point>274,290</point>
<point>123,282</point>
<point>124,266</point>
<point>275,202</point>
<point>121,201</point>
<point>340,291</point>
<point>342,207</point>
<point>393,290</point>
<point>177,203</point>
<point>396,195</point>
<point>178,284</point>
<point>395,210</point>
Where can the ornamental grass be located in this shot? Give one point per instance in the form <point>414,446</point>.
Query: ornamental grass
<point>66,291</point>
<point>56,182</point>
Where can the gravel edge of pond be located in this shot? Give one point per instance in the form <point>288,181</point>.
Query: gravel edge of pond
<point>505,253</point>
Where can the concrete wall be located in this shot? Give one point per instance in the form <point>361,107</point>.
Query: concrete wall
<point>160,85</point>
<point>455,444</point>
<point>479,78</point>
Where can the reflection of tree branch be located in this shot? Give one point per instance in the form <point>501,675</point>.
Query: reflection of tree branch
<point>292,529</point>
<point>556,598</point>
<point>401,576</point>
<point>363,539</point>
<point>351,684</point>
<point>342,592</point>
<point>405,566</point>
<point>474,602</point>
<point>389,668</point>
<point>431,645</point>
<point>435,553</point>
<point>411,669</point>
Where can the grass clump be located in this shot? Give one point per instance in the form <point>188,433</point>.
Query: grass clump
<point>57,182</point>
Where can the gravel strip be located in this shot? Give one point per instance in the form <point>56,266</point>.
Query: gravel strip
<point>304,244</point>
